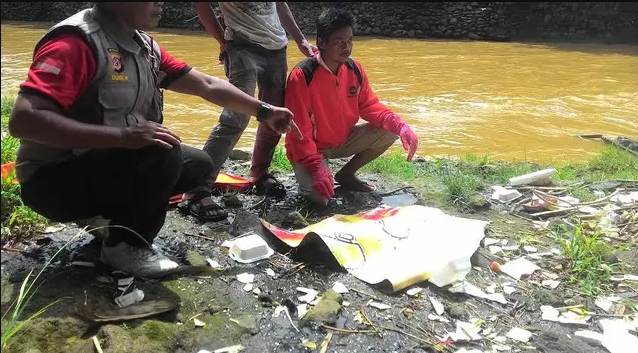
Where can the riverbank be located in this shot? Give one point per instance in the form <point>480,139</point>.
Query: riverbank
<point>610,22</point>
<point>580,257</point>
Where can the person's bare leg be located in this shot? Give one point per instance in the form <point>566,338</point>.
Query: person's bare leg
<point>346,176</point>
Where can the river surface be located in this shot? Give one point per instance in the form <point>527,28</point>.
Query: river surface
<point>512,101</point>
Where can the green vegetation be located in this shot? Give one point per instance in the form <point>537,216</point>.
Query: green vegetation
<point>586,255</point>
<point>279,160</point>
<point>18,220</point>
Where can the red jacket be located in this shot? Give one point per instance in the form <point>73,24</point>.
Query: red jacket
<point>328,108</point>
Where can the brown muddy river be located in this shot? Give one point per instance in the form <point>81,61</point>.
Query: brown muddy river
<point>510,100</point>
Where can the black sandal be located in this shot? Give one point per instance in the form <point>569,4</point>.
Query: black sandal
<point>195,208</point>
<point>275,189</point>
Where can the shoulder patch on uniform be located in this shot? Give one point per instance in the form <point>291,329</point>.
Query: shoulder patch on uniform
<point>116,62</point>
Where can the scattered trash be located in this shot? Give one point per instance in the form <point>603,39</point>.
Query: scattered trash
<point>624,278</point>
<point>470,289</point>
<point>379,306</point>
<point>552,314</point>
<point>606,304</point>
<point>249,249</point>
<point>246,277</point>
<point>413,291</point>
<point>340,288</point>
<point>232,349</point>
<point>465,331</point>
<point>54,228</point>
<point>302,309</point>
<point>125,282</point>
<point>257,291</point>
<point>508,289</point>
<point>83,263</point>
<point>550,283</point>
<point>438,307</point>
<point>615,336</point>
<point>248,287</point>
<point>270,272</point>
<point>541,177</point>
<point>505,195</point>
<point>517,268</point>
<point>213,263</point>
<point>433,317</point>
<point>530,248</point>
<point>134,297</point>
<point>198,322</point>
<point>135,311</point>
<point>519,334</point>
<point>309,344</point>
<point>311,294</point>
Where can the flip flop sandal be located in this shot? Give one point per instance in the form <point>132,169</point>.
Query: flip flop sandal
<point>195,208</point>
<point>274,190</point>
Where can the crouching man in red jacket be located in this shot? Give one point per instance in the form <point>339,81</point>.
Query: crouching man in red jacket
<point>327,94</point>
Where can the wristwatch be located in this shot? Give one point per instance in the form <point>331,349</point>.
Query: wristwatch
<point>264,112</point>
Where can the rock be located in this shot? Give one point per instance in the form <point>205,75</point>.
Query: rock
<point>611,259</point>
<point>195,259</point>
<point>478,202</point>
<point>376,30</point>
<point>548,17</point>
<point>458,312</point>
<point>443,22</point>
<point>419,33</point>
<point>549,341</point>
<point>453,20</point>
<point>247,322</point>
<point>245,222</point>
<point>231,200</point>
<point>367,31</point>
<point>326,311</point>
<point>239,155</point>
<point>411,34</point>
<point>474,36</point>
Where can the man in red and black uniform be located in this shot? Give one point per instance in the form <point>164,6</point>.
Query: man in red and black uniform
<point>89,119</point>
<point>327,94</point>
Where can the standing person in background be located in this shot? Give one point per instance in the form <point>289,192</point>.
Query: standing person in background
<point>253,50</point>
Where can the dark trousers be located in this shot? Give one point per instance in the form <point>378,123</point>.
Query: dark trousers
<point>129,187</point>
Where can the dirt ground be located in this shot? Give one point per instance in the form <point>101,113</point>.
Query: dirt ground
<point>234,316</point>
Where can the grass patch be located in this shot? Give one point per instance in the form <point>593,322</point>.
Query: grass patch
<point>586,255</point>
<point>280,161</point>
<point>393,164</point>
<point>18,220</point>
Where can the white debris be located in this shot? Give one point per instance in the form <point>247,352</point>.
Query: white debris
<point>588,209</point>
<point>550,283</point>
<point>413,291</point>
<point>248,287</point>
<point>465,331</point>
<point>135,296</point>
<point>517,268</point>
<point>491,289</point>
<point>198,322</point>
<point>463,350</point>
<point>311,294</point>
<point>213,263</point>
<point>500,339</point>
<point>433,317</point>
<point>345,303</point>
<point>379,306</point>
<point>339,288</point>
<point>270,272</point>
<point>605,303</point>
<point>256,291</point>
<point>227,244</point>
<point>495,249</point>
<point>556,251</point>
<point>232,349</point>
<point>246,277</point>
<point>490,241</point>
<point>538,256</point>
<point>519,334</point>
<point>625,198</point>
<point>615,336</point>
<point>124,282</point>
<point>470,289</point>
<point>550,275</point>
<point>625,278</point>
<point>541,225</point>
<point>54,228</point>
<point>510,248</point>
<point>505,195</point>
<point>438,307</point>
<point>530,248</point>
<point>302,309</point>
<point>508,289</point>
<point>552,314</point>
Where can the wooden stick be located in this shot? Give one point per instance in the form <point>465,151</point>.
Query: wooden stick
<point>366,294</point>
<point>369,322</point>
<point>343,330</point>
<point>407,334</point>
<point>200,236</point>
<point>96,343</point>
<point>324,344</point>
